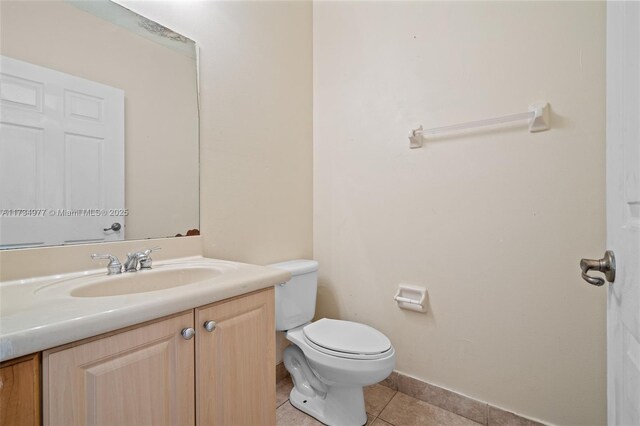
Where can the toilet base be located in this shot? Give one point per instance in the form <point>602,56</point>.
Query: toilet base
<point>332,405</point>
<point>342,406</point>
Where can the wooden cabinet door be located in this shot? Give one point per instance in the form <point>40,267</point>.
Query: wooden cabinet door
<point>141,376</point>
<point>20,391</point>
<point>235,363</point>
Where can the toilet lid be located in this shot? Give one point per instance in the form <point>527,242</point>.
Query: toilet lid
<point>347,337</point>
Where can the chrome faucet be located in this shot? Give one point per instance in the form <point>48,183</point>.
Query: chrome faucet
<point>114,266</point>
<point>141,259</point>
<point>133,260</point>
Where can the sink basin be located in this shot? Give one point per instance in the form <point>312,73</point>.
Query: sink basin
<point>145,281</point>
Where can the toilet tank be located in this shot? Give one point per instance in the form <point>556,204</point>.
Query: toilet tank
<point>296,299</point>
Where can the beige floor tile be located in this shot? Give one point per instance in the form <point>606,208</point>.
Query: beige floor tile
<point>281,372</point>
<point>404,410</point>
<point>380,422</point>
<point>376,397</point>
<point>283,388</point>
<point>288,415</point>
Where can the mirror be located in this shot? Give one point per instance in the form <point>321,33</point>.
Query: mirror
<point>99,125</point>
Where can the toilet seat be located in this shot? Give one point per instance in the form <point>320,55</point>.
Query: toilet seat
<point>346,339</point>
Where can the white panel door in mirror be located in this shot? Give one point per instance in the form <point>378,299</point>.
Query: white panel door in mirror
<point>61,157</point>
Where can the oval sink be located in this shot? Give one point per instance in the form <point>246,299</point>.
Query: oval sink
<point>145,281</point>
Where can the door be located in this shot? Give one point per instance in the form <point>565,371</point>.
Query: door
<point>623,211</point>
<point>61,157</point>
<point>235,362</point>
<point>142,376</point>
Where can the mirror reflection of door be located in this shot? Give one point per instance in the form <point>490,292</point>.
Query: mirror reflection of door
<point>61,157</point>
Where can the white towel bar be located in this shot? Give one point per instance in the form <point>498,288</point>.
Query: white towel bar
<point>538,116</point>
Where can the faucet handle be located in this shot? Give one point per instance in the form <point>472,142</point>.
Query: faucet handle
<point>146,261</point>
<point>149,251</point>
<point>114,266</point>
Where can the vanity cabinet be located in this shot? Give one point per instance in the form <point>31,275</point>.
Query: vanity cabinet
<point>20,391</point>
<point>153,375</point>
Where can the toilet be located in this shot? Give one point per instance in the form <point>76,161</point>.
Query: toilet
<point>330,361</point>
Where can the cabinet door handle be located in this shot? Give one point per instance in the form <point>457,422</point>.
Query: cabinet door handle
<point>209,326</point>
<point>188,333</point>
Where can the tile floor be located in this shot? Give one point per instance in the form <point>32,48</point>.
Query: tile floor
<point>385,407</point>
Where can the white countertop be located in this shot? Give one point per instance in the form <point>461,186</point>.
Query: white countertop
<point>39,313</point>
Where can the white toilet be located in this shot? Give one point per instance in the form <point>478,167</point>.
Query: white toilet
<point>330,361</point>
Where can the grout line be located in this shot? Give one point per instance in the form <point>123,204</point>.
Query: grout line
<point>286,400</point>
<point>486,413</point>
<point>440,408</point>
<point>385,406</point>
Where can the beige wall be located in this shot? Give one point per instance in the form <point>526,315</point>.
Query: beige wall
<point>492,223</point>
<point>161,116</point>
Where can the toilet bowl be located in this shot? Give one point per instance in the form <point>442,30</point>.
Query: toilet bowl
<point>330,361</point>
